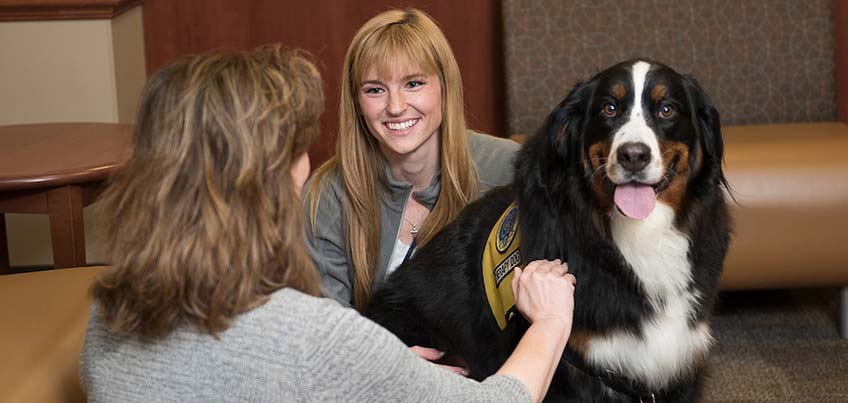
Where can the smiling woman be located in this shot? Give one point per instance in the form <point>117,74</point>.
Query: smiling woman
<point>405,163</point>
<point>402,110</point>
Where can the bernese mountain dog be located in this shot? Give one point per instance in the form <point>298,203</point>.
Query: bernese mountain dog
<point>623,181</point>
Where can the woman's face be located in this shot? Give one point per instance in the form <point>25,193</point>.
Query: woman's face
<point>402,111</point>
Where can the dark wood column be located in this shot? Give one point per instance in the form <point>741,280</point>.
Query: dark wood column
<point>325,28</point>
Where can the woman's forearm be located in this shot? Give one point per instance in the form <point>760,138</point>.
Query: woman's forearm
<point>537,355</point>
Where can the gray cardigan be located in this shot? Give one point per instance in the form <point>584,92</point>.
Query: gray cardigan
<point>493,157</point>
<point>293,348</point>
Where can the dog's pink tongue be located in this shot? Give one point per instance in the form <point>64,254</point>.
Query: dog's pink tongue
<point>635,201</point>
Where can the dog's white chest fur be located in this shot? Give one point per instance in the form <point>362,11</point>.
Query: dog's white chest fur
<point>657,252</point>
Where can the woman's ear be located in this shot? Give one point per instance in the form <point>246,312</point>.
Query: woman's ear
<point>300,171</point>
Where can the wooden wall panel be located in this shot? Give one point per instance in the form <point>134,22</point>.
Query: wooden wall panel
<point>325,28</point>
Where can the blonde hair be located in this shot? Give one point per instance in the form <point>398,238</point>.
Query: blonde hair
<point>204,221</point>
<point>390,36</point>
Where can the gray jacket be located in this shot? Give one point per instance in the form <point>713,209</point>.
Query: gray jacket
<point>493,157</point>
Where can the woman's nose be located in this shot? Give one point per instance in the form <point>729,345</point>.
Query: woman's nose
<point>397,103</point>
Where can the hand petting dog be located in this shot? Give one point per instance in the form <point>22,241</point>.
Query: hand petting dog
<point>544,290</point>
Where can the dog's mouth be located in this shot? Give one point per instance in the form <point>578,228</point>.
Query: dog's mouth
<point>636,199</point>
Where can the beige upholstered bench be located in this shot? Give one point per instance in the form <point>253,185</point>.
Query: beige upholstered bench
<point>43,317</point>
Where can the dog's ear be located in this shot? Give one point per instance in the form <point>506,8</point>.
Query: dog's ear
<point>708,120</point>
<point>708,125</point>
<point>558,139</point>
<point>564,124</point>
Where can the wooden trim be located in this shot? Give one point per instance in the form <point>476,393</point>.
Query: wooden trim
<point>41,10</point>
<point>5,268</point>
<point>840,33</point>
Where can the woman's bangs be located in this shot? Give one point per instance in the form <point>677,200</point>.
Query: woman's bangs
<point>396,48</point>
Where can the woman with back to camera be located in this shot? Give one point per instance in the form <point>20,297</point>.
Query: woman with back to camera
<point>405,163</point>
<point>212,294</point>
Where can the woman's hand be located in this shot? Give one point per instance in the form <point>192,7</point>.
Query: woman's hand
<point>433,355</point>
<point>544,291</point>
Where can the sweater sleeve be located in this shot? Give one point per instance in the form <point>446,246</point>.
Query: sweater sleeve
<point>349,358</point>
<point>325,241</point>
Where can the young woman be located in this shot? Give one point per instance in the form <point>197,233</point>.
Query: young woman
<point>212,293</point>
<point>405,162</point>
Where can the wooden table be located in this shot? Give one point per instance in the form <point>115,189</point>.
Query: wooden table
<point>57,169</point>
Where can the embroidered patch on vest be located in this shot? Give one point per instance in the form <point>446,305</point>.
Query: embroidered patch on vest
<point>500,257</point>
<point>507,228</point>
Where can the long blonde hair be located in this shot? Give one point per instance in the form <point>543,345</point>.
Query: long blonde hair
<point>393,35</point>
<point>204,221</point>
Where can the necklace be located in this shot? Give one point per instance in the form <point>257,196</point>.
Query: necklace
<point>414,230</point>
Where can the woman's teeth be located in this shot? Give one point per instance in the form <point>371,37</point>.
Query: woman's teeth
<point>401,125</point>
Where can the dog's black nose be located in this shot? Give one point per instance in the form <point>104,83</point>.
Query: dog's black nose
<point>633,156</point>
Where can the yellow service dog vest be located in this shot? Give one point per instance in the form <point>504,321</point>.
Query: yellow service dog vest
<point>500,257</point>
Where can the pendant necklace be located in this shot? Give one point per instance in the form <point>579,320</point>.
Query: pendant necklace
<point>414,230</point>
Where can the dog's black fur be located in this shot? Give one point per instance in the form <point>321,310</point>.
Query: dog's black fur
<point>564,197</point>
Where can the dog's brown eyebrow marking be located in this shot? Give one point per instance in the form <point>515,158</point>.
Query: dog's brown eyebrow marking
<point>658,92</point>
<point>619,91</point>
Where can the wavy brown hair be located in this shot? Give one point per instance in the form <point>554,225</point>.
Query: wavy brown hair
<point>410,35</point>
<point>204,221</point>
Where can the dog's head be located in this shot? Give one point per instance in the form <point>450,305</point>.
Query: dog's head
<point>638,133</point>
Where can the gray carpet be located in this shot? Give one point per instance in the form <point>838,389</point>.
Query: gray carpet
<point>778,346</point>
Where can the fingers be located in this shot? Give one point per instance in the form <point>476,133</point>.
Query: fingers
<point>571,279</point>
<point>545,266</point>
<point>456,370</point>
<point>559,267</point>
<point>429,354</point>
<point>515,276</point>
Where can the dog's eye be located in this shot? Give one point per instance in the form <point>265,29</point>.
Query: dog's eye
<point>609,110</point>
<point>665,112</point>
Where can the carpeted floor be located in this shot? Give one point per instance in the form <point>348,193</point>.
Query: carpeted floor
<point>778,346</point>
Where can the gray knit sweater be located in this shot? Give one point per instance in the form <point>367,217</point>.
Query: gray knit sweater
<point>294,348</point>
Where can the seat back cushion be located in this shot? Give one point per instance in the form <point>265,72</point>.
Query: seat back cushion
<point>761,61</point>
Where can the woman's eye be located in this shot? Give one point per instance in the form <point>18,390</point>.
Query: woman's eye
<point>609,110</point>
<point>372,90</point>
<point>666,112</point>
<point>415,83</point>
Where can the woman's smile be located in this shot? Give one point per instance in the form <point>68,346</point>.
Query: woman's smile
<point>402,126</point>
